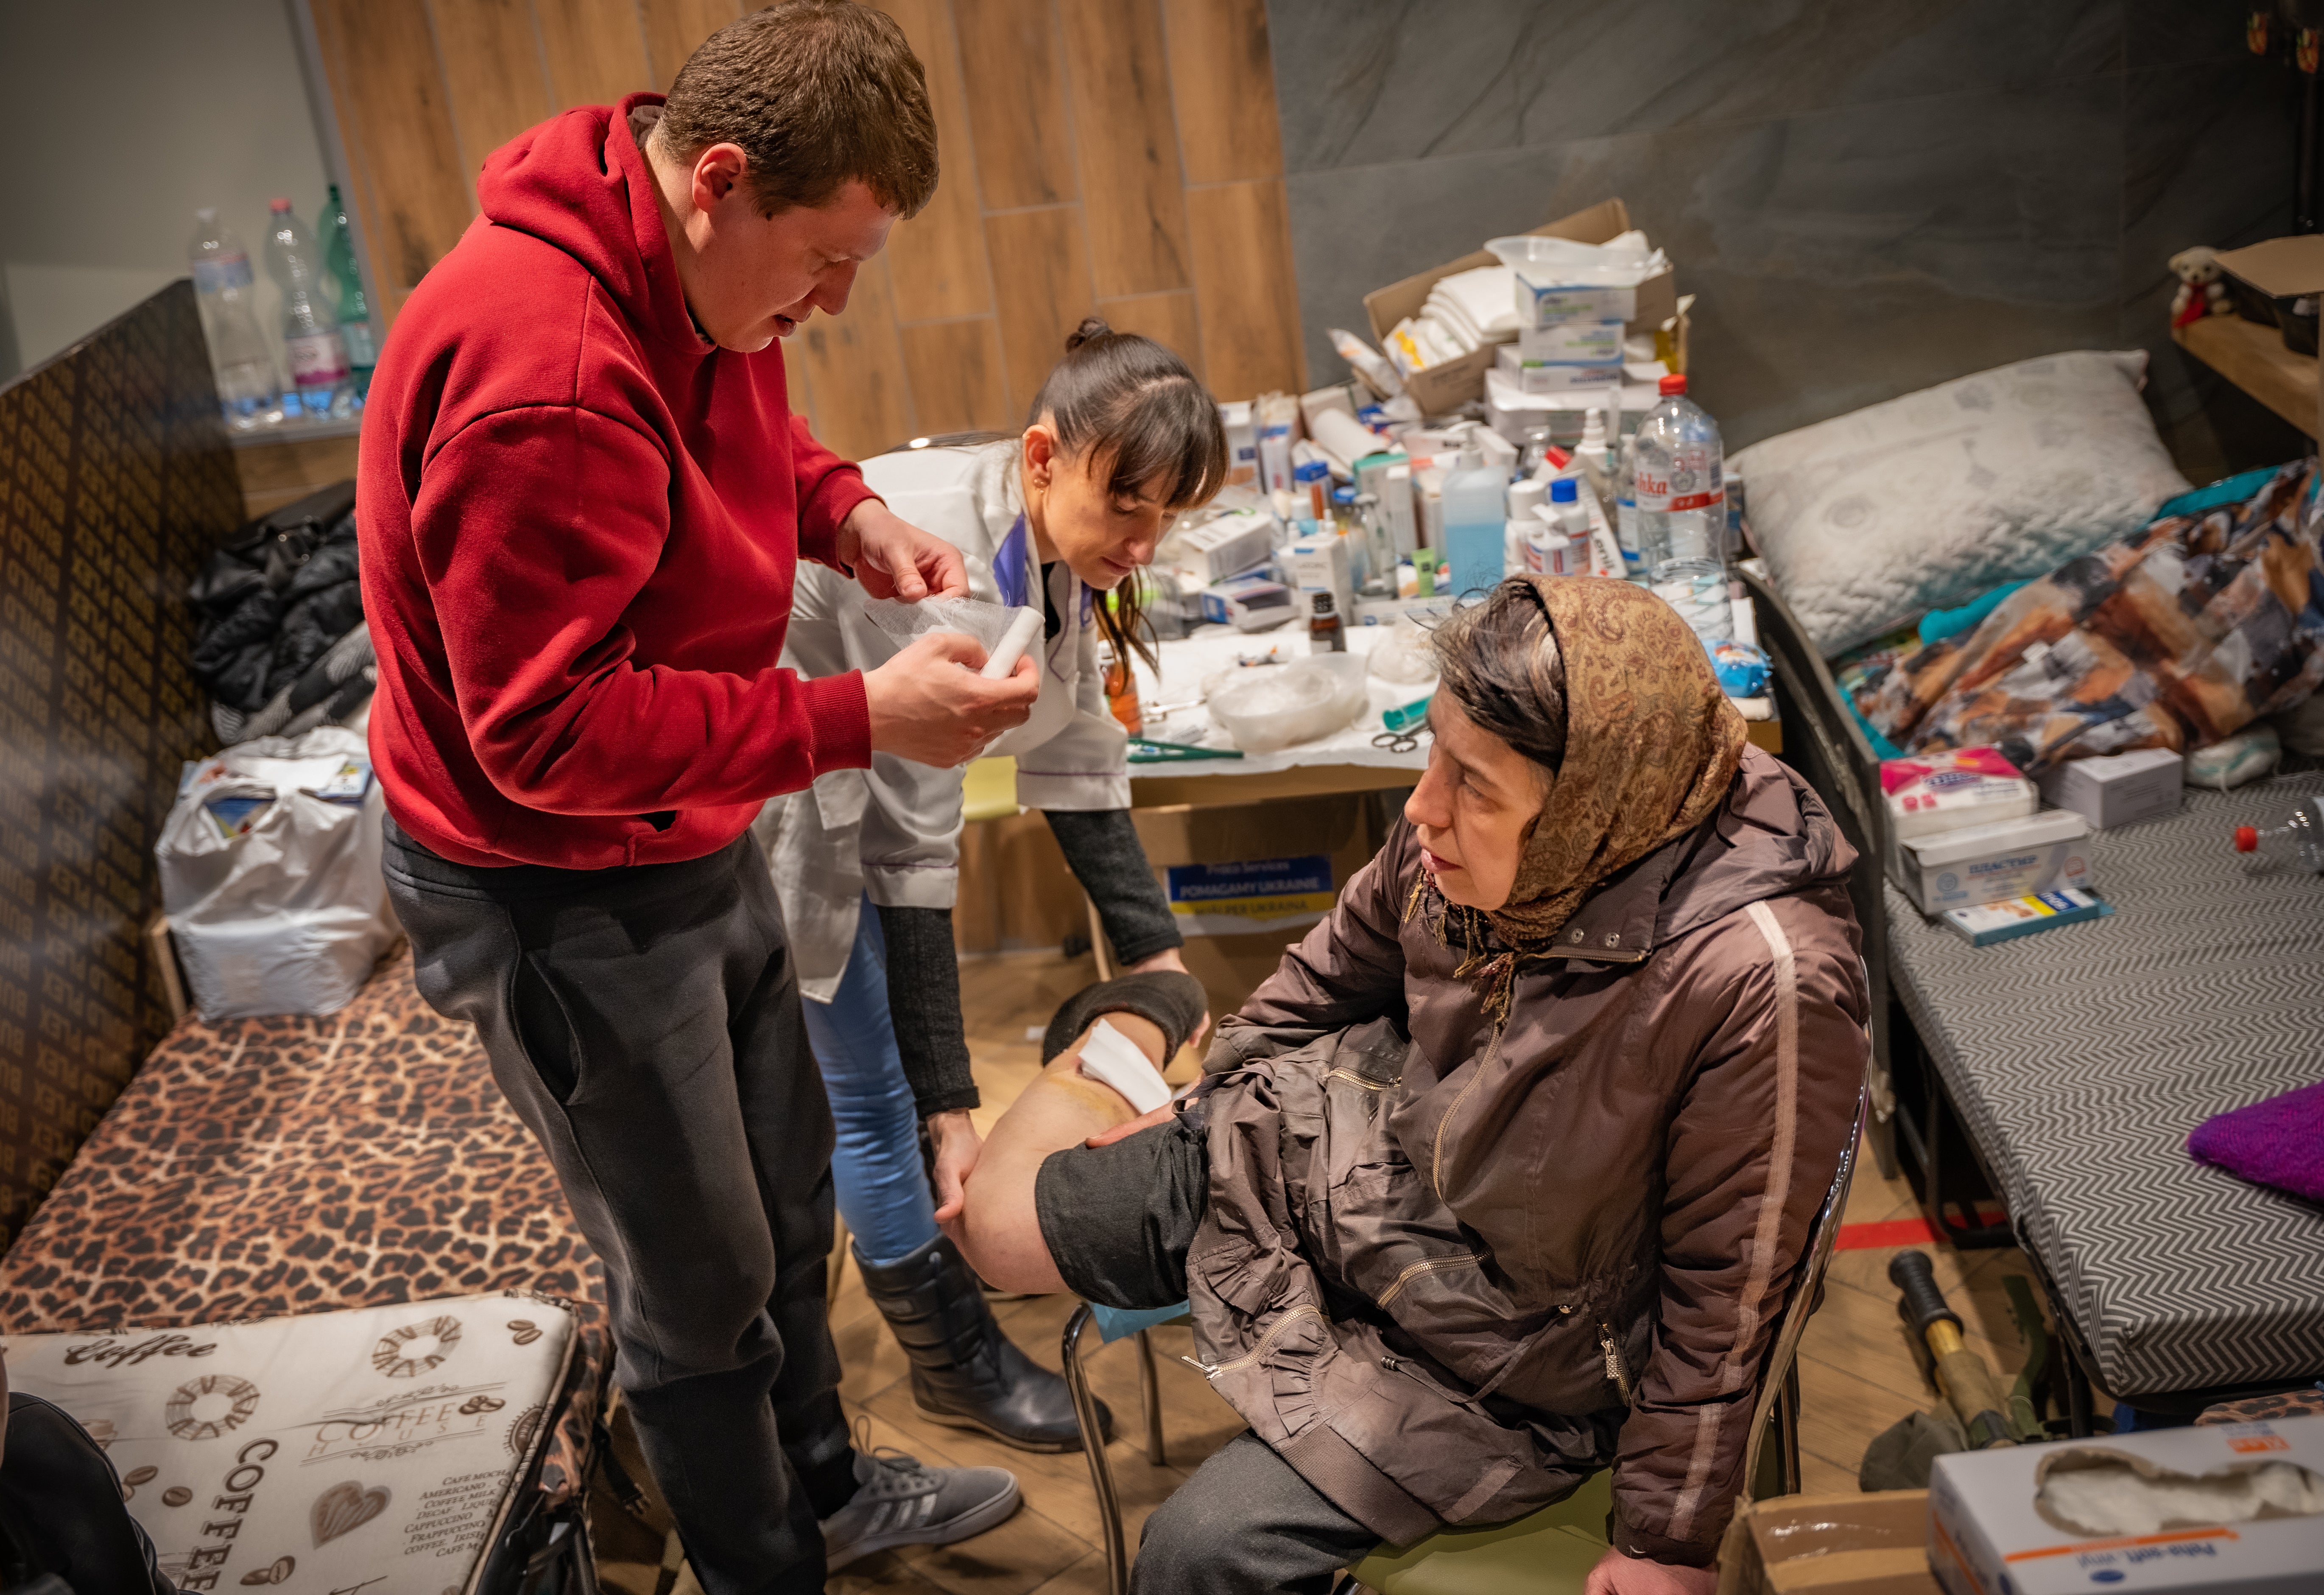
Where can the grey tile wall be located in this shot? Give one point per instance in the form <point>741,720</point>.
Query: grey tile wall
<point>1866,197</point>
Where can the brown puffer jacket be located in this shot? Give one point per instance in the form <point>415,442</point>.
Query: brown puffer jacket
<point>1448,1276</point>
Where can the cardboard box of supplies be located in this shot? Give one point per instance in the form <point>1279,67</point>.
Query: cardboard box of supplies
<point>1855,1544</point>
<point>1245,881</point>
<point>1454,383</point>
<point>2224,1509</point>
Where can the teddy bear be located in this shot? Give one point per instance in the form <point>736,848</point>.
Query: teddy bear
<point>2201,291</point>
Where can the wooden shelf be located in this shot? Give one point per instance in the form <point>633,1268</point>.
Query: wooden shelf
<point>2254,360</point>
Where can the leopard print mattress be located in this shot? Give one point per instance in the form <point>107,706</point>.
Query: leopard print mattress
<point>259,1167</point>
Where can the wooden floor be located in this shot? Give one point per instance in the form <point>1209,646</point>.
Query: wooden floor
<point>1857,1371</point>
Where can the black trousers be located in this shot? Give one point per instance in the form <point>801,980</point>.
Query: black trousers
<point>645,1024</point>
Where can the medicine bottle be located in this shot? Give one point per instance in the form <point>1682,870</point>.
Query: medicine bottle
<point>1325,634</point>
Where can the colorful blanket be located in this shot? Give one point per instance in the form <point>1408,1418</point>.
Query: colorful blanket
<point>2175,637</point>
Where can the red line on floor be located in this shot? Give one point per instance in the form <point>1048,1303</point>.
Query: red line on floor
<point>1913,1231</point>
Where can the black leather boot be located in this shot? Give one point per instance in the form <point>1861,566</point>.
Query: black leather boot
<point>966,1373</point>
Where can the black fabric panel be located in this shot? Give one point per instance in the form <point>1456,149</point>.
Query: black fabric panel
<point>924,1003</point>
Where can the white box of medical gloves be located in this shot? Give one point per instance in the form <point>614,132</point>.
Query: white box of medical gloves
<point>2045,852</point>
<point>2227,1509</point>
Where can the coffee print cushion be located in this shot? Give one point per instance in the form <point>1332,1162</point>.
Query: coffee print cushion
<point>375,1448</point>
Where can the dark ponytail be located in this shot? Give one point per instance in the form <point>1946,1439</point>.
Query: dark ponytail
<point>1137,407</point>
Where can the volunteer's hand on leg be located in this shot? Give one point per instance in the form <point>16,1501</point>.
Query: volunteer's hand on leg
<point>894,559</point>
<point>997,1228</point>
<point>928,704</point>
<point>1617,1574</point>
<point>957,1148</point>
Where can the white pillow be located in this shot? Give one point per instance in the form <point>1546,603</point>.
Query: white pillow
<point>373,1449</point>
<point>1873,518</point>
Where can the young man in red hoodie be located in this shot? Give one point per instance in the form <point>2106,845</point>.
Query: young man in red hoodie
<point>582,499</point>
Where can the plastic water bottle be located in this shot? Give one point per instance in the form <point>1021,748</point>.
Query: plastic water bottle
<point>1682,510</point>
<point>223,286</point>
<point>1475,529</point>
<point>354,310</point>
<point>321,382</point>
<point>2297,844</point>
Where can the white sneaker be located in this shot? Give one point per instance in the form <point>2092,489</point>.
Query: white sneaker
<point>900,1502</point>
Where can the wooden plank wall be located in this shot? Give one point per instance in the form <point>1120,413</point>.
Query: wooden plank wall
<point>1119,156</point>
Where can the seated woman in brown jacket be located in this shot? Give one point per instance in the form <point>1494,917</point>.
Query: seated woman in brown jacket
<point>1503,1176</point>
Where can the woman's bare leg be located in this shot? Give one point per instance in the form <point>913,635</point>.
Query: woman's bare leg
<point>998,1229</point>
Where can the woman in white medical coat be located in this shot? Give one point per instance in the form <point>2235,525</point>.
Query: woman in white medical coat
<point>1121,438</point>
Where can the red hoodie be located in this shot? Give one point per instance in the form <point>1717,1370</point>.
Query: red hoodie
<point>579,523</point>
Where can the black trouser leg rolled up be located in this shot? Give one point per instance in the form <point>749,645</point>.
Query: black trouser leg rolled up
<point>645,1024</point>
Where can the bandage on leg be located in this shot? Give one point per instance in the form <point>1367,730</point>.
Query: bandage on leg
<point>1112,1058</point>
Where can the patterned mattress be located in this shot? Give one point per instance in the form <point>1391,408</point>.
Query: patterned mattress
<point>260,1167</point>
<point>2081,1058</point>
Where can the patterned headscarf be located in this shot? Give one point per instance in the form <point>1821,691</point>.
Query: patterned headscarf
<point>1652,745</point>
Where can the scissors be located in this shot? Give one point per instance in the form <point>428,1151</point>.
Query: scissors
<point>1401,741</point>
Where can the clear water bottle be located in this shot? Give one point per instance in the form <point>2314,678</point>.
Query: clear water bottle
<point>347,299</point>
<point>223,286</point>
<point>322,383</point>
<point>1682,510</point>
<point>2297,844</point>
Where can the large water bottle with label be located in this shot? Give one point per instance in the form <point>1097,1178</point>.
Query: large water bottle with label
<point>224,288</point>
<point>1680,466</point>
<point>349,302</point>
<point>1475,529</point>
<point>322,382</point>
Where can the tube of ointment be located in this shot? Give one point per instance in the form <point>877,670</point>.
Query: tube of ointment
<point>1112,1058</point>
<point>1012,645</point>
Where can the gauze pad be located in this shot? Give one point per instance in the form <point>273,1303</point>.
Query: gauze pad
<point>989,624</point>
<point>1112,1058</point>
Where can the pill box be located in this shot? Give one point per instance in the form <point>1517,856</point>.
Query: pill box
<point>2011,917</point>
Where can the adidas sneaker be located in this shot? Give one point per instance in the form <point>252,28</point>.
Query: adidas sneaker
<point>901,1502</point>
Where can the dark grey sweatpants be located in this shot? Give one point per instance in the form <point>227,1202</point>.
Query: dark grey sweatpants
<point>645,1024</point>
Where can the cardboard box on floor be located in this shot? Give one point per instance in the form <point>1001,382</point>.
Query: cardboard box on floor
<point>1835,1544</point>
<point>1453,384</point>
<point>1274,867</point>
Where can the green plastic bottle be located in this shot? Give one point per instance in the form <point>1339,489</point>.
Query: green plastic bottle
<point>347,290</point>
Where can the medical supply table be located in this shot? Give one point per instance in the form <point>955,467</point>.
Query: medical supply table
<point>2080,1059</point>
<point>1350,760</point>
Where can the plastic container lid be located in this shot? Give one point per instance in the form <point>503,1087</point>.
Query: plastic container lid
<point>1673,384</point>
<point>1346,496</point>
<point>1564,490</point>
<point>2246,839</point>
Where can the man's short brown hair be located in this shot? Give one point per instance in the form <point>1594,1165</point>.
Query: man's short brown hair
<point>816,92</point>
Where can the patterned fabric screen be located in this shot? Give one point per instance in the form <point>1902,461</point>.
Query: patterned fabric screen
<point>115,480</point>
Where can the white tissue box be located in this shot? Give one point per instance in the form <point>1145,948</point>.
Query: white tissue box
<point>1544,304</point>
<point>1537,376</point>
<point>2035,1520</point>
<point>1590,343</point>
<point>2120,787</point>
<point>1975,863</point>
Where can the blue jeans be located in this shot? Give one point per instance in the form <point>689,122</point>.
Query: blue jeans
<point>883,1187</point>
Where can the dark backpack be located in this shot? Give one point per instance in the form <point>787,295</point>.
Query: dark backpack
<point>63,1528</point>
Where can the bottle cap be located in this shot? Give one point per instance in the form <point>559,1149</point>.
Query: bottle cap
<point>1323,603</point>
<point>207,214</point>
<point>1564,490</point>
<point>2246,839</point>
<point>1346,496</point>
<point>278,204</point>
<point>1673,384</point>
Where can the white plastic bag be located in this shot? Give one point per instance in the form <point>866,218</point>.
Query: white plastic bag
<point>274,895</point>
<point>1405,657</point>
<point>1266,708</point>
<point>971,617</point>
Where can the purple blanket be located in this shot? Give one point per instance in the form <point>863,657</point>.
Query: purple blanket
<point>2278,1141</point>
